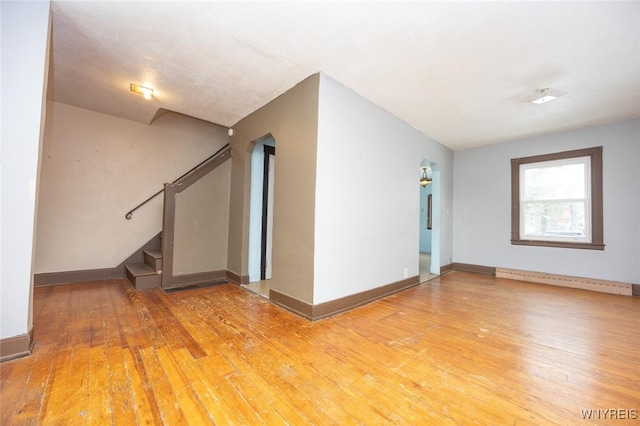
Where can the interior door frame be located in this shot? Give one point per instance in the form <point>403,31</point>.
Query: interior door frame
<point>268,152</point>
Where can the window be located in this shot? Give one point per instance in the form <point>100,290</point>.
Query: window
<point>556,200</point>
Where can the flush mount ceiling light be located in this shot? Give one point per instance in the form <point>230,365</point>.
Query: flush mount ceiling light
<point>424,180</point>
<point>547,95</point>
<point>141,90</point>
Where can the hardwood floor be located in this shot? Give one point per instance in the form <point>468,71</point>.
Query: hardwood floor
<point>460,349</point>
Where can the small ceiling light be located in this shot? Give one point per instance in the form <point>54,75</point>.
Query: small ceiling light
<point>546,95</point>
<point>424,180</point>
<point>141,90</point>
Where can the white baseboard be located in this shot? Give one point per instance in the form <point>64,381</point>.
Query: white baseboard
<point>603,286</point>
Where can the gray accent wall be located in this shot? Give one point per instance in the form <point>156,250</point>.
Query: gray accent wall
<point>201,224</point>
<point>482,205</point>
<point>291,120</point>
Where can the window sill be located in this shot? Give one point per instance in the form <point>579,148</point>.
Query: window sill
<point>560,244</point>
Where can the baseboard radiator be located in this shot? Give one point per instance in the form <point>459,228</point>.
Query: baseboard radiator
<point>603,286</point>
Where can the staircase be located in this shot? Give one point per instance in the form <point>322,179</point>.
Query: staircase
<point>148,274</point>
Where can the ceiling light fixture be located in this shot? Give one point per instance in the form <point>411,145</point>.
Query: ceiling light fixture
<point>141,90</point>
<point>547,95</point>
<point>424,180</point>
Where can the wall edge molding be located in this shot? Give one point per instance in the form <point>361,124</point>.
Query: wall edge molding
<point>198,278</point>
<point>70,277</point>
<point>332,307</point>
<point>446,268</point>
<point>291,304</point>
<point>105,274</point>
<point>336,306</point>
<point>237,278</point>
<point>476,269</point>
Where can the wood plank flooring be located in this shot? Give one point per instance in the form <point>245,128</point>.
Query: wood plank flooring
<point>460,349</point>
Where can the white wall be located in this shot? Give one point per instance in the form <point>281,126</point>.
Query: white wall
<point>25,33</point>
<point>367,195</point>
<point>482,206</point>
<point>95,168</point>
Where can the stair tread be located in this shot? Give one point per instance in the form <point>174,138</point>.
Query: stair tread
<point>139,269</point>
<point>154,253</point>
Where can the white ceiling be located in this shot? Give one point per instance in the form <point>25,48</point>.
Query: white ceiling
<point>462,73</point>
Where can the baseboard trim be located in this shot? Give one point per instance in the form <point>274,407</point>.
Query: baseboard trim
<point>602,286</point>
<point>326,309</point>
<point>292,304</point>
<point>117,272</point>
<point>476,269</point>
<point>236,278</point>
<point>68,277</point>
<point>446,268</point>
<point>198,278</point>
<point>16,346</point>
<point>333,307</point>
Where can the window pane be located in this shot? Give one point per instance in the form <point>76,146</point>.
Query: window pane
<point>563,181</point>
<point>551,220</point>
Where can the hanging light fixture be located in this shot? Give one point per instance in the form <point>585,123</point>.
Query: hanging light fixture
<point>424,180</point>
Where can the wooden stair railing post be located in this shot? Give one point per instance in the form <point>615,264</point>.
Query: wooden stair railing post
<point>169,212</point>
<point>168,231</point>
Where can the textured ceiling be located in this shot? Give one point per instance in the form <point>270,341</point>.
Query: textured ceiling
<point>462,73</point>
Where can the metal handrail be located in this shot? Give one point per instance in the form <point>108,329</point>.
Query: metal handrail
<point>129,214</point>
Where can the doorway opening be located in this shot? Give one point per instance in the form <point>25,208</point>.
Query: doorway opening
<point>266,245</point>
<point>261,202</point>
<point>429,228</point>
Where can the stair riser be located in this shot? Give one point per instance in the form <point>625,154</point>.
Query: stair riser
<point>144,282</point>
<point>155,263</point>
